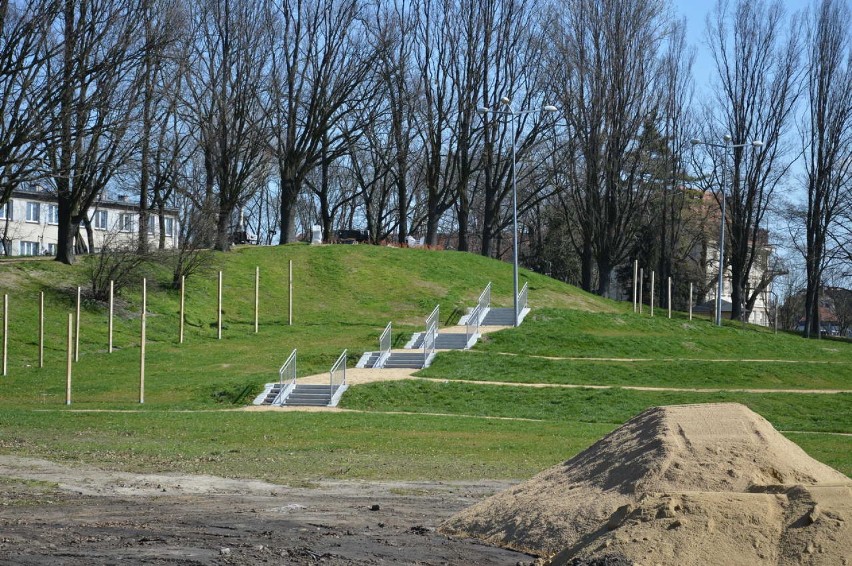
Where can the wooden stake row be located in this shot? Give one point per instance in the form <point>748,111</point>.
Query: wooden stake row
<point>74,322</point>
<point>638,282</point>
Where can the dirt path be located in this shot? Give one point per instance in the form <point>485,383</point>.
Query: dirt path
<point>54,513</point>
<point>712,360</point>
<point>361,376</point>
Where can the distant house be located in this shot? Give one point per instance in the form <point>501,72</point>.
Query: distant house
<point>29,224</point>
<point>835,312</point>
<point>757,277</point>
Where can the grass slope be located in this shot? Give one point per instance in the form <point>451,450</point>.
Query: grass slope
<point>344,296</point>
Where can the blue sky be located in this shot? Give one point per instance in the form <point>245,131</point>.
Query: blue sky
<point>696,12</point>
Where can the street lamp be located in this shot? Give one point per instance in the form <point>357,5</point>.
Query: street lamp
<point>728,146</point>
<point>511,112</point>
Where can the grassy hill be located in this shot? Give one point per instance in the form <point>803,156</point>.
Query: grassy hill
<point>450,427</point>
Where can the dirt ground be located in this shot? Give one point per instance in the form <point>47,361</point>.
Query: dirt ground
<point>58,514</point>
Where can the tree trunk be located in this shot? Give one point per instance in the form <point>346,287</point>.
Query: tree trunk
<point>604,276</point>
<point>586,266</point>
<point>290,189</point>
<point>464,223</point>
<point>223,220</point>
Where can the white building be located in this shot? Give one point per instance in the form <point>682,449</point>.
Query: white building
<point>760,314</point>
<point>29,224</point>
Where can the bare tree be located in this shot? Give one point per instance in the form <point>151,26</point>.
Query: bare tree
<point>232,62</point>
<point>827,137</point>
<point>390,141</point>
<point>676,239</point>
<point>162,135</point>
<point>320,58</point>
<point>93,76</point>
<point>757,62</point>
<point>513,47</point>
<point>606,72</point>
<point>25,49</point>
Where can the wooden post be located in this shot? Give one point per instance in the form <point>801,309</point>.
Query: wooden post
<point>41,329</point>
<point>256,297</point>
<point>219,315</point>
<point>77,330</point>
<point>635,278</point>
<point>111,310</point>
<point>652,293</point>
<point>690,301</point>
<point>182,304</point>
<point>670,297</point>
<point>5,334</point>
<point>69,359</point>
<point>641,290</point>
<point>142,348</point>
<point>290,295</point>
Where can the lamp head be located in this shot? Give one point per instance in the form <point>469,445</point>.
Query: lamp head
<point>505,100</point>
<point>695,141</point>
<point>757,143</point>
<point>549,108</point>
<point>483,110</point>
<point>727,138</point>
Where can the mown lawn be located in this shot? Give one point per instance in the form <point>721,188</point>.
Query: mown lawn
<point>343,297</point>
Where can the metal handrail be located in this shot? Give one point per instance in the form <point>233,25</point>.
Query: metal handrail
<point>471,326</point>
<point>287,371</point>
<point>384,346</point>
<point>484,302</point>
<point>431,334</point>
<point>522,299</point>
<point>341,362</point>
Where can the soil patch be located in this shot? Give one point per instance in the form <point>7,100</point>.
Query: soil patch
<point>58,514</point>
<point>691,484</point>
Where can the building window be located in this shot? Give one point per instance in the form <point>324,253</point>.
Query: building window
<point>170,226</point>
<point>29,248</point>
<point>101,217</point>
<point>33,212</point>
<point>151,222</point>
<point>51,249</point>
<point>6,211</point>
<point>125,223</point>
<point>53,214</point>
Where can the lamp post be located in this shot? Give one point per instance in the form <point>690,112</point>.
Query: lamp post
<point>512,113</point>
<point>728,146</point>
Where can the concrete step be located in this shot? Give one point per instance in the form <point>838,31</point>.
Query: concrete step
<point>499,317</point>
<point>447,341</point>
<point>273,393</point>
<point>413,360</point>
<point>310,396</point>
<point>368,360</point>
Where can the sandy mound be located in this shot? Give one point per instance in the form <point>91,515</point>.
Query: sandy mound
<point>691,484</point>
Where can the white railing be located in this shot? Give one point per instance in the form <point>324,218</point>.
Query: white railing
<point>287,373</point>
<point>522,300</point>
<point>471,326</point>
<point>431,334</point>
<point>384,346</point>
<point>337,377</point>
<point>484,302</point>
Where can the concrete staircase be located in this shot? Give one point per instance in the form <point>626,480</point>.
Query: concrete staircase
<point>271,394</point>
<point>499,317</point>
<point>406,360</point>
<point>368,360</point>
<point>310,396</point>
<point>446,341</point>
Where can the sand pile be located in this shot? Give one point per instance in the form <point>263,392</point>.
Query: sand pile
<point>690,484</point>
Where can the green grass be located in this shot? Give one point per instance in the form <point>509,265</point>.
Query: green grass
<point>289,447</point>
<point>573,333</point>
<point>702,374</point>
<point>344,296</point>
